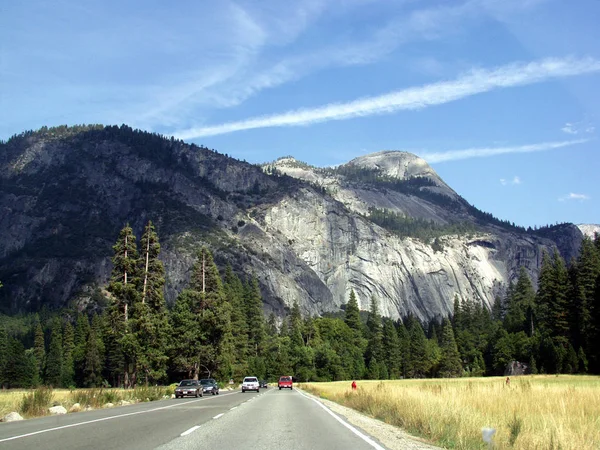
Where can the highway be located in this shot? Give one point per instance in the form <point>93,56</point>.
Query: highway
<point>271,419</point>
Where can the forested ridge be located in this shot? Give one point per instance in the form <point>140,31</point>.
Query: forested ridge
<point>217,326</point>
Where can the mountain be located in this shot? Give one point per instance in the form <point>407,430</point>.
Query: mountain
<point>385,224</point>
<point>589,230</point>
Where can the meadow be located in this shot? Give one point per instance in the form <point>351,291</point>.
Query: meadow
<point>35,402</point>
<point>532,412</point>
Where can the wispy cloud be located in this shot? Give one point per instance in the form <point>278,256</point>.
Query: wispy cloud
<point>578,128</point>
<point>475,82</point>
<point>454,155</point>
<point>573,196</point>
<point>515,181</point>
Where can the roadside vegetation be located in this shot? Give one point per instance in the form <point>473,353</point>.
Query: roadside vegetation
<point>36,402</point>
<point>532,412</point>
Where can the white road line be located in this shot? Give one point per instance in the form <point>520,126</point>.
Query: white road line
<point>103,419</point>
<point>217,416</point>
<point>231,409</point>
<point>191,430</point>
<point>361,435</point>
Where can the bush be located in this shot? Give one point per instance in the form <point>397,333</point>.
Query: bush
<point>36,403</point>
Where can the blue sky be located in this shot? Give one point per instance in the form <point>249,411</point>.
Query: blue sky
<point>500,96</point>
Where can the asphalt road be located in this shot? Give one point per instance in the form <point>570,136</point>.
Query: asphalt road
<point>272,419</point>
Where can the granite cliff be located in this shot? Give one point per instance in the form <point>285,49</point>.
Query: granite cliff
<point>309,234</point>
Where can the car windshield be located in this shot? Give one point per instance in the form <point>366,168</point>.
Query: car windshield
<point>285,379</point>
<point>188,383</point>
<point>250,380</point>
<point>204,382</point>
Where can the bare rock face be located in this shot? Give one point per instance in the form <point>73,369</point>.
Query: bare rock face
<point>306,233</point>
<point>590,230</point>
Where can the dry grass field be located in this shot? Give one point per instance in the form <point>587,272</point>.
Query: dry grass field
<point>533,412</point>
<point>35,402</point>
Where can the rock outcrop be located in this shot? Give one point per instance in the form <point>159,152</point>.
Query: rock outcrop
<point>12,417</point>
<point>306,233</point>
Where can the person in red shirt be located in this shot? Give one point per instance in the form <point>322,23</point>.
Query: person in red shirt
<point>353,385</point>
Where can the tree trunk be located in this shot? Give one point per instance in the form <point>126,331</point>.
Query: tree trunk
<point>146,271</point>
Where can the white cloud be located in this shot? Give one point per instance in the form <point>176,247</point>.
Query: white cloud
<point>578,128</point>
<point>476,81</point>
<point>573,196</point>
<point>454,155</point>
<point>503,181</point>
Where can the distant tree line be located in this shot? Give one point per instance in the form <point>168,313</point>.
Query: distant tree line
<point>217,326</point>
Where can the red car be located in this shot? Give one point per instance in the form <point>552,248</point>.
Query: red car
<point>285,382</point>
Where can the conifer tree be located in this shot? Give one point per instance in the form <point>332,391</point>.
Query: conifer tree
<point>39,350</point>
<point>123,287</point>
<point>150,324</point>
<point>450,365</point>
<point>54,361</point>
<point>82,330</point>
<point>68,373</point>
<point>375,340</point>
<point>234,292</point>
<point>186,350</point>
<point>352,317</point>
<point>520,305</point>
<point>419,364</point>
<point>254,317</point>
<point>92,369</point>
<point>391,349</point>
<point>4,350</point>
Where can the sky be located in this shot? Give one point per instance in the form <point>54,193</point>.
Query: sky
<point>501,97</point>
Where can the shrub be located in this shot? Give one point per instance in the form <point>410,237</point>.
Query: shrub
<point>36,403</point>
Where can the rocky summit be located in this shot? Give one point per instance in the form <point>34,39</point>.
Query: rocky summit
<point>385,224</point>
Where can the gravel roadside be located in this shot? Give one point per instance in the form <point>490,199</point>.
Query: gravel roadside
<point>392,437</point>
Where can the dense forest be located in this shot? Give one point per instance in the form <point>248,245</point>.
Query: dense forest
<point>217,327</point>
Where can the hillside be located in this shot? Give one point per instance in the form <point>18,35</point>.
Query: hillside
<point>309,234</point>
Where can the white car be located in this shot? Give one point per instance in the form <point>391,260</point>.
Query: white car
<point>250,384</point>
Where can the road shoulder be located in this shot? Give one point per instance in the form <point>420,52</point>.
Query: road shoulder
<point>392,437</point>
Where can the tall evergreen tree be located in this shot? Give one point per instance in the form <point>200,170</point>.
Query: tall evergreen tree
<point>150,323</point>
<point>39,349</point>
<point>450,365</point>
<point>68,372</point>
<point>123,287</point>
<point>520,305</point>
<point>352,317</point>
<point>375,341</point>
<point>54,361</point>
<point>82,330</point>
<point>418,364</point>
<point>392,350</point>
<point>4,350</point>
<point>234,292</point>
<point>254,317</point>
<point>92,369</point>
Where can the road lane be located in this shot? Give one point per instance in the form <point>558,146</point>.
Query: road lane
<point>139,426</point>
<point>275,420</point>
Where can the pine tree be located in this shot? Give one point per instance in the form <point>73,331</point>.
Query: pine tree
<point>419,364</point>
<point>186,349</point>
<point>352,317</point>
<point>39,349</point>
<point>450,365</point>
<point>68,373</point>
<point>21,369</point>
<point>123,287</point>
<point>254,317</point>
<point>234,292</point>
<point>375,339</point>
<point>4,350</point>
<point>54,361</point>
<point>150,324</point>
<point>82,330</point>
<point>392,350</point>
<point>520,305</point>
<point>92,369</point>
